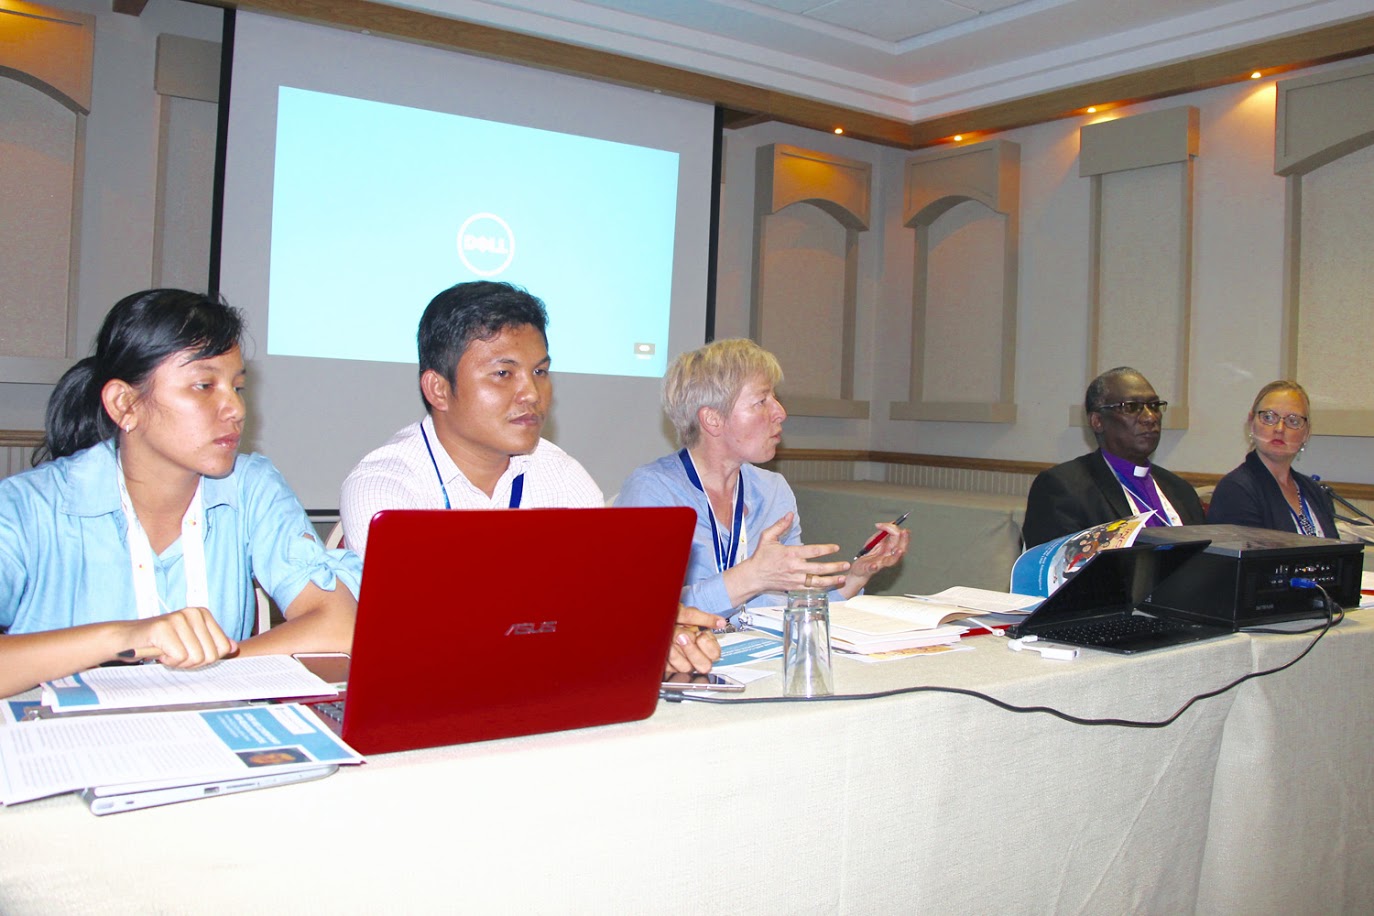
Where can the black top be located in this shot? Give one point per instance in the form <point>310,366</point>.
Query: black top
<point>1085,492</point>
<point>1250,495</point>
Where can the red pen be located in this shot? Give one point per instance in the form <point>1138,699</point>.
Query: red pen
<point>878,538</point>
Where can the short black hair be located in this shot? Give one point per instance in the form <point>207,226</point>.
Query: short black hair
<point>478,310</point>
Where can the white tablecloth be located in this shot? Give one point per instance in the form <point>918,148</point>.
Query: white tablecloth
<point>1256,801</point>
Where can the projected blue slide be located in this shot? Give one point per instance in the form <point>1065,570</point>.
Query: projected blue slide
<point>377,207</point>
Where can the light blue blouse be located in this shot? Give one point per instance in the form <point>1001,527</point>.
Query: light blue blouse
<point>64,553</point>
<point>767,498</point>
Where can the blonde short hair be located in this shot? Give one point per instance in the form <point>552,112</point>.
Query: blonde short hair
<point>713,376</point>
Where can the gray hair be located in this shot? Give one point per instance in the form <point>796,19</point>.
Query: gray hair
<point>713,376</point>
<point>1097,388</point>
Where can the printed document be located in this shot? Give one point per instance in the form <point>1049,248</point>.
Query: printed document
<point>49,756</point>
<point>264,677</point>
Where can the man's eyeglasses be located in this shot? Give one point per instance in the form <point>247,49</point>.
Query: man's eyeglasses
<point>1133,408</point>
<point>1271,418</point>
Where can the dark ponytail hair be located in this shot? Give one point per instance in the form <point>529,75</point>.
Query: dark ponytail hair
<point>139,333</point>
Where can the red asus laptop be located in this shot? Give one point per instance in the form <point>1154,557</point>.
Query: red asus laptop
<point>481,624</point>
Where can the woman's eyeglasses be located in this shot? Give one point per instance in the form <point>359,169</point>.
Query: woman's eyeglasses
<point>1133,408</point>
<point>1272,418</point>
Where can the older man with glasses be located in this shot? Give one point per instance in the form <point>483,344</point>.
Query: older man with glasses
<point>1117,480</point>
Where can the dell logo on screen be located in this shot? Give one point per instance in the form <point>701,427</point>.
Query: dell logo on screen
<point>486,245</point>
<point>529,629</point>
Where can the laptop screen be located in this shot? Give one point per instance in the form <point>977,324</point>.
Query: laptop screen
<point>1113,581</point>
<point>481,624</point>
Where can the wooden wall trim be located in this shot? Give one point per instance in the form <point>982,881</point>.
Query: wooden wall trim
<point>747,104</point>
<point>546,54</point>
<point>31,438</point>
<point>1278,55</point>
<point>21,438</point>
<point>1361,491</point>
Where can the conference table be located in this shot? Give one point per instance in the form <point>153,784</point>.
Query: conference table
<point>1260,800</point>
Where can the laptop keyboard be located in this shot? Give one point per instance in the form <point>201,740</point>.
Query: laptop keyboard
<point>1114,630</point>
<point>330,709</point>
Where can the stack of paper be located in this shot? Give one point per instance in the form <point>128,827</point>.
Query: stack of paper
<point>77,743</point>
<point>984,607</point>
<point>49,756</point>
<point>983,600</point>
<point>874,624</point>
<point>869,624</point>
<point>141,686</point>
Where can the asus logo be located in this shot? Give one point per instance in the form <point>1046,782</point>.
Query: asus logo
<point>528,629</point>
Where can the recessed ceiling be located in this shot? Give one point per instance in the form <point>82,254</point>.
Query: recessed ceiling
<point>908,59</point>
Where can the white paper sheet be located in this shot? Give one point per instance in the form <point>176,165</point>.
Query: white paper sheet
<point>138,686</point>
<point>49,756</point>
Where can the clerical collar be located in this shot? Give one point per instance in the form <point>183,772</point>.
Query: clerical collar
<point>1125,468</point>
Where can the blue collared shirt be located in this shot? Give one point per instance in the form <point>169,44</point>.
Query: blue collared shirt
<point>64,552</point>
<point>767,498</point>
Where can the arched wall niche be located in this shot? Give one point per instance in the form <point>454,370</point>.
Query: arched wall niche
<point>1324,147</point>
<point>1140,264</point>
<point>46,57</point>
<point>810,211</point>
<point>964,207</point>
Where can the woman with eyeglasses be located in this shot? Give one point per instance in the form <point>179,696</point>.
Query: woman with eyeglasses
<point>1265,491</point>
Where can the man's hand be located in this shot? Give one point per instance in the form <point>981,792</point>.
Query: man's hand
<point>694,646</point>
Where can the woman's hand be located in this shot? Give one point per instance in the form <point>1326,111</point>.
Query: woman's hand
<point>188,638</point>
<point>888,552</point>
<point>778,567</point>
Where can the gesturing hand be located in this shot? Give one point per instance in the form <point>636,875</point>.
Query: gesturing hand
<point>888,552</point>
<point>777,567</point>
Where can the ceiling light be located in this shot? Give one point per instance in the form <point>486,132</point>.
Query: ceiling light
<point>1256,75</point>
<point>1092,109</point>
<point>958,138</point>
<point>839,130</point>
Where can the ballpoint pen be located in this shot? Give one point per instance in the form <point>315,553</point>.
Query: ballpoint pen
<point>878,538</point>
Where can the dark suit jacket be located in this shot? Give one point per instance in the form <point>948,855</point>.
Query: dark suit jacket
<point>1250,495</point>
<point>1084,492</point>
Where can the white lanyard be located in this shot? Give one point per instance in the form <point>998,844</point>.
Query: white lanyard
<point>1171,516</point>
<point>143,562</point>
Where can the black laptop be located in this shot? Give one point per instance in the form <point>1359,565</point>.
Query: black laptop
<point>1106,605</point>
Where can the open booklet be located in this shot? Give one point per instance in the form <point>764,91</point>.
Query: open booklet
<point>980,601</point>
<point>872,623</point>
<point>1045,567</point>
<point>160,749</point>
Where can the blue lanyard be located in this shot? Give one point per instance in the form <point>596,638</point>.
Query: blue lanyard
<point>725,556</point>
<point>517,486</point>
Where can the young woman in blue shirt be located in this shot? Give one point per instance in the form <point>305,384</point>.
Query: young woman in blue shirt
<point>143,533</point>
